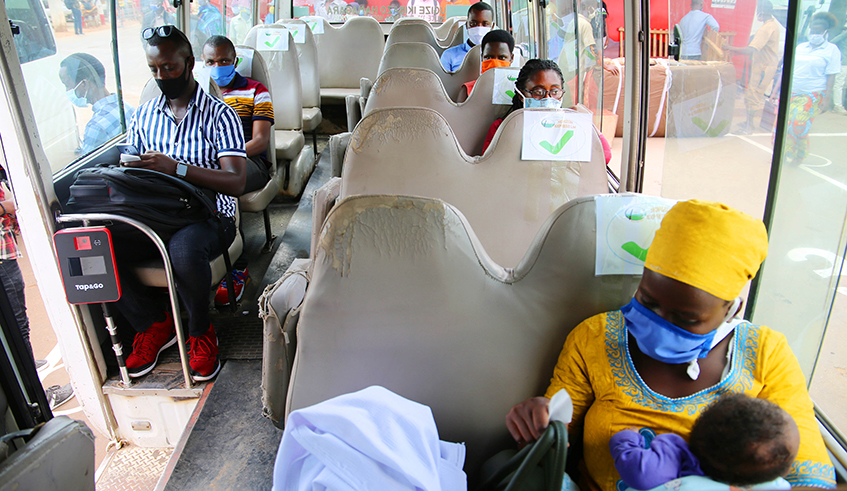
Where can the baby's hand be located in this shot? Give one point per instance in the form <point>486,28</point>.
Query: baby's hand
<point>631,428</point>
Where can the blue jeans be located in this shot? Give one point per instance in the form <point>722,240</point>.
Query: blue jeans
<point>13,283</point>
<point>77,14</point>
<point>191,249</point>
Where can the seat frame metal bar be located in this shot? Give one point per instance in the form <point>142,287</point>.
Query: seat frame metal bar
<point>86,218</point>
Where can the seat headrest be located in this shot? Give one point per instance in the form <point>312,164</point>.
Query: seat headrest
<point>349,53</point>
<point>403,296</point>
<point>405,150</point>
<point>422,55</point>
<point>414,33</point>
<point>284,77</point>
<point>420,87</point>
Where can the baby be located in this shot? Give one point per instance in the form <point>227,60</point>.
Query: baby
<point>738,440</point>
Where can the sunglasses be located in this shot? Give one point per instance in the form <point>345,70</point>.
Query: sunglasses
<point>162,32</point>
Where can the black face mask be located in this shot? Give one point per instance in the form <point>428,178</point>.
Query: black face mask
<point>172,88</point>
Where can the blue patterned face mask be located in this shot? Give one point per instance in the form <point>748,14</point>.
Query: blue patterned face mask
<point>223,75</point>
<point>665,342</point>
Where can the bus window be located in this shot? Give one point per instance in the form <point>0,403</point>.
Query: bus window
<point>206,21</point>
<point>70,75</point>
<point>33,40</point>
<point>337,11</point>
<point>239,20</point>
<point>800,291</point>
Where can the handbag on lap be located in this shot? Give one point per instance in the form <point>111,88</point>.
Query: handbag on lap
<point>537,467</point>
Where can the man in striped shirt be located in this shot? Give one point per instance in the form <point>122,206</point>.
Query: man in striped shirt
<point>189,134</point>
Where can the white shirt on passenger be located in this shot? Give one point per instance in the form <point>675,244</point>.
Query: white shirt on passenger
<point>692,26</point>
<point>372,439</point>
<point>812,65</point>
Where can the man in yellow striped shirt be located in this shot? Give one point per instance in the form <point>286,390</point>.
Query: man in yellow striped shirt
<point>251,100</point>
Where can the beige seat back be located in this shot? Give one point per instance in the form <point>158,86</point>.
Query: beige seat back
<point>284,70</point>
<point>422,55</point>
<point>349,53</point>
<point>456,37</point>
<point>258,71</point>
<point>413,151</point>
<point>414,33</point>
<point>307,54</point>
<point>402,295</point>
<point>419,87</point>
<point>447,30</point>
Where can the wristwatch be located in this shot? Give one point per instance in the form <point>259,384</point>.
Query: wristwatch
<point>181,169</point>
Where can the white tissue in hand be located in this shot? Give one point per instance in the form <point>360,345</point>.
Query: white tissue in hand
<point>561,407</point>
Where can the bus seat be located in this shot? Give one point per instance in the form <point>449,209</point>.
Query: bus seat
<point>337,148</point>
<point>403,295</point>
<point>307,54</point>
<point>447,29</point>
<point>59,456</point>
<point>152,272</point>
<point>456,37</point>
<point>422,55</point>
<point>413,151</point>
<point>258,201</point>
<point>420,87</point>
<point>347,54</point>
<point>284,69</point>
<point>414,33</point>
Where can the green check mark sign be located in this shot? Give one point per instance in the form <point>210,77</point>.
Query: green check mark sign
<point>555,149</point>
<point>274,40</point>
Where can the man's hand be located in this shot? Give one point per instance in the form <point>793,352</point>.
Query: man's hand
<point>155,161</point>
<point>528,420</point>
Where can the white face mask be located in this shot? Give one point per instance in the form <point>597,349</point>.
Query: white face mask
<point>816,39</point>
<point>475,34</point>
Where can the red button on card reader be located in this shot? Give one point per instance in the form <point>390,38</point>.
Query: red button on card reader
<point>82,243</point>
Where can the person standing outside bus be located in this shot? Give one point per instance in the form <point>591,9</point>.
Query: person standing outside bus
<point>840,42</point>
<point>765,52</point>
<point>692,27</point>
<point>189,134</point>
<point>76,12</point>
<point>480,20</point>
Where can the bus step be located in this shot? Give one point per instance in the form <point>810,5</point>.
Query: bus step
<point>132,467</point>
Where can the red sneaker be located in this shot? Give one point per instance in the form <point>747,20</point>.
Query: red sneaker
<point>203,355</point>
<point>241,280</point>
<point>148,345</point>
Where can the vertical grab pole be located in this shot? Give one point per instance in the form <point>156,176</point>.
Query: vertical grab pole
<point>637,28</point>
<point>117,347</point>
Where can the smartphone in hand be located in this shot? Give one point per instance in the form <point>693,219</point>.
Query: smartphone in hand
<point>128,153</point>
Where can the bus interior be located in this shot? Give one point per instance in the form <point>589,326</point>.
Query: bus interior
<point>388,248</point>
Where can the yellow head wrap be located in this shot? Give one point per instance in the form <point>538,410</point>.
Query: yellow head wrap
<point>709,246</point>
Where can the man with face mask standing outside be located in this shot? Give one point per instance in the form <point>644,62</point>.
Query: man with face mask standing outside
<point>765,51</point>
<point>189,134</point>
<point>480,20</point>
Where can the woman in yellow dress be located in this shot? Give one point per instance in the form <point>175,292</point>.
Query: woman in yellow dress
<point>657,362</point>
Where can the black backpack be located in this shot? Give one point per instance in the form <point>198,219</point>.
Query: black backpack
<point>164,203</point>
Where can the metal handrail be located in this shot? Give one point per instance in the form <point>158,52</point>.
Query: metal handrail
<point>85,218</point>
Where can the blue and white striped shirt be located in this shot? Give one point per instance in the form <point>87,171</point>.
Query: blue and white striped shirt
<point>210,130</point>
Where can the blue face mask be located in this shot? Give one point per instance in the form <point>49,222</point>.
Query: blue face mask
<point>546,103</point>
<point>223,75</point>
<point>75,99</point>
<point>665,342</point>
